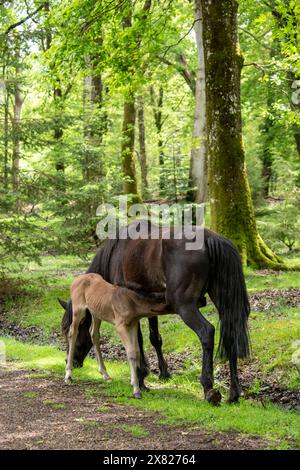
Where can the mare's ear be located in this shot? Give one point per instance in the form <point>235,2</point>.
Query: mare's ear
<point>62,303</point>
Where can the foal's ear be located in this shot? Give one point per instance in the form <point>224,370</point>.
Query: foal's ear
<point>62,303</point>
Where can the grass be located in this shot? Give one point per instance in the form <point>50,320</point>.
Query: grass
<point>257,281</point>
<point>54,405</point>
<point>136,430</point>
<point>103,408</point>
<point>30,395</point>
<point>178,401</point>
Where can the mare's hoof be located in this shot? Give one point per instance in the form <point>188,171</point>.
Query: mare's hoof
<point>137,395</point>
<point>214,397</point>
<point>165,375</point>
<point>144,388</point>
<point>232,400</point>
<point>106,377</point>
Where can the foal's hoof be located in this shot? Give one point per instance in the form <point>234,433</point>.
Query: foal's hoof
<point>68,381</point>
<point>106,377</point>
<point>214,397</point>
<point>137,395</point>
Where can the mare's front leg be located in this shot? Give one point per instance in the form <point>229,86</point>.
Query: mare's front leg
<point>95,336</point>
<point>205,332</point>
<point>156,342</point>
<point>129,337</point>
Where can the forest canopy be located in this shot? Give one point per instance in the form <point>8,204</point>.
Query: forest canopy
<point>103,98</point>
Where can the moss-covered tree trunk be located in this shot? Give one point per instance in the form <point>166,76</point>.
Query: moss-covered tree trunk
<point>230,200</point>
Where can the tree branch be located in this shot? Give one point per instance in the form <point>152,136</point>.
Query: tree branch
<point>182,68</point>
<point>18,23</point>
<point>255,38</point>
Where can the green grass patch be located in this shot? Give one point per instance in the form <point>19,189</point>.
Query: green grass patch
<point>103,408</point>
<point>136,430</point>
<point>54,405</point>
<point>178,401</point>
<point>30,395</point>
<point>258,281</point>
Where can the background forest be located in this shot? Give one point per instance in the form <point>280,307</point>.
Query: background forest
<point>161,100</point>
<point>98,99</point>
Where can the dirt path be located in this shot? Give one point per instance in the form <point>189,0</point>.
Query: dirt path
<point>42,413</point>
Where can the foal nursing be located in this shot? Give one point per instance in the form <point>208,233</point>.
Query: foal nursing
<point>117,305</point>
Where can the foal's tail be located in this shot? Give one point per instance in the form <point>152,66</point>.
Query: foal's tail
<point>227,290</point>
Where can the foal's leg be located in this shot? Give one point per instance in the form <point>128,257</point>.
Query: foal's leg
<point>129,339</point>
<point>72,336</point>
<point>205,332</point>
<point>95,336</point>
<point>156,342</point>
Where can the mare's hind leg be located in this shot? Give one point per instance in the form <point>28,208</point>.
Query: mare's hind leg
<point>95,336</point>
<point>156,342</point>
<point>235,389</point>
<point>143,369</point>
<point>72,336</point>
<point>205,332</point>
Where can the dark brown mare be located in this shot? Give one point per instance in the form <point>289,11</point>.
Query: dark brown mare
<point>184,276</point>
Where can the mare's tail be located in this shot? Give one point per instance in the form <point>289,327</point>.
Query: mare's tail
<point>227,290</point>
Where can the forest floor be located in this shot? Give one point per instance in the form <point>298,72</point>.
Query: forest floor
<point>43,413</point>
<point>37,411</point>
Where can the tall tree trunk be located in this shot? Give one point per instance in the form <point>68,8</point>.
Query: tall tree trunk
<point>16,128</point>
<point>290,23</point>
<point>157,105</point>
<point>94,125</point>
<point>198,168</point>
<point>58,131</point>
<point>127,148</point>
<point>230,199</point>
<point>295,106</point>
<point>266,156</point>
<point>6,140</point>
<point>142,145</point>
<point>58,98</point>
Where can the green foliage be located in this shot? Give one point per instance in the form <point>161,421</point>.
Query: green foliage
<point>281,229</point>
<point>70,144</point>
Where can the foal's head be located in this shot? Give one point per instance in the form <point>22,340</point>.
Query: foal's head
<point>83,341</point>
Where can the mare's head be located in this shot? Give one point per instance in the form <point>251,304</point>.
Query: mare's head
<point>83,342</point>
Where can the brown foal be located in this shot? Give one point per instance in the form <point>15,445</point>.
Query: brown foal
<point>117,305</point>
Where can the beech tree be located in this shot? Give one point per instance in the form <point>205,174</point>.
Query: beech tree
<point>232,212</point>
<point>198,170</point>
